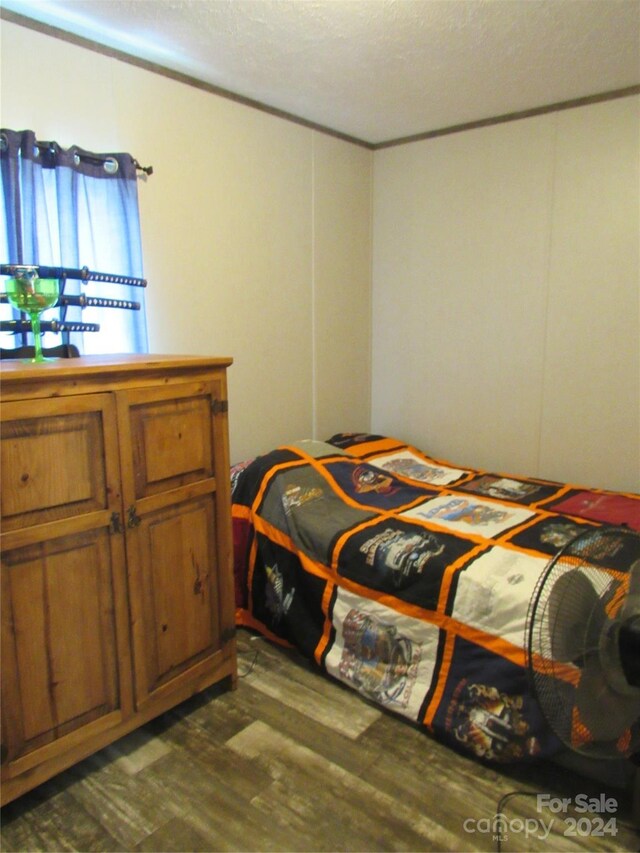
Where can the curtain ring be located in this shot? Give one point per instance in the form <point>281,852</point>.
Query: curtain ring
<point>111,165</point>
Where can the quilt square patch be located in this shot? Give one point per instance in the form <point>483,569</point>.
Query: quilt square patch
<point>370,486</point>
<point>402,559</point>
<point>287,600</point>
<point>509,489</point>
<point>493,592</point>
<point>408,464</point>
<point>487,709</point>
<point>386,656</point>
<point>610,509</point>
<point>469,515</point>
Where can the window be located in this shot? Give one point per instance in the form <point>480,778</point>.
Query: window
<point>72,208</point>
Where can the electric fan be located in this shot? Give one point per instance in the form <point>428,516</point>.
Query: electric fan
<point>583,642</point>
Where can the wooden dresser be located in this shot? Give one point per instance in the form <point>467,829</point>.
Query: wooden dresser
<point>117,587</point>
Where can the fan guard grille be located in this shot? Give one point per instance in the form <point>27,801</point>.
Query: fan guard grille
<point>589,574</point>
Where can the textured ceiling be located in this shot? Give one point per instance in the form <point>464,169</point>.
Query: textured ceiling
<point>376,70</point>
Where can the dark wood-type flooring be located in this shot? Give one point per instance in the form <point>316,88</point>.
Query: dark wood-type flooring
<point>294,761</point>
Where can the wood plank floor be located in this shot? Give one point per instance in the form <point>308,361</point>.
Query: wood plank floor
<point>293,761</point>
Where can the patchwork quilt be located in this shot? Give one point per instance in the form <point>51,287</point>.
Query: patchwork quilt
<point>409,578</point>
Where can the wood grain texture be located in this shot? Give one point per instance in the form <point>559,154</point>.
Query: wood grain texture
<point>258,769</point>
<point>117,602</point>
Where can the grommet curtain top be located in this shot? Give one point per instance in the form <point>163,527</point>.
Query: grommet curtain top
<point>51,155</point>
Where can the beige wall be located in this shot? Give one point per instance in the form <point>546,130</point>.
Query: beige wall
<point>506,287</point>
<point>256,231</point>
<point>342,290</point>
<point>505,271</point>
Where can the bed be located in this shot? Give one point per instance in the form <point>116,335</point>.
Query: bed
<point>408,578</point>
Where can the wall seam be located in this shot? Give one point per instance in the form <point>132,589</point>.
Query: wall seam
<point>372,173</point>
<point>547,295</point>
<point>314,315</point>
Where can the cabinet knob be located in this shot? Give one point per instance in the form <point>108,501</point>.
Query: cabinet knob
<point>133,519</point>
<point>115,525</point>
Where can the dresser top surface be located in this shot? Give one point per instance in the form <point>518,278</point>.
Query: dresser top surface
<point>81,375</point>
<point>90,364</point>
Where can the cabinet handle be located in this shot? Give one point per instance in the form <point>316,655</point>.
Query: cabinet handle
<point>133,519</point>
<point>115,525</point>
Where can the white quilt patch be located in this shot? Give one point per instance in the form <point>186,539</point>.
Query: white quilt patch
<point>494,592</point>
<point>468,514</point>
<point>384,655</point>
<point>407,464</point>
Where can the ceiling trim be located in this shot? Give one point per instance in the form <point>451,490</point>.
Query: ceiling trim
<point>178,76</point>
<point>515,116</point>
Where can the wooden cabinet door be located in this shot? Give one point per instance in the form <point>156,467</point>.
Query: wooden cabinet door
<point>172,490</point>
<point>175,608</point>
<point>60,667</point>
<point>65,670</point>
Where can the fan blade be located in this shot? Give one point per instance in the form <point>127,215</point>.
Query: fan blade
<point>631,604</point>
<point>603,711</point>
<point>573,607</point>
<point>629,628</point>
<point>629,649</point>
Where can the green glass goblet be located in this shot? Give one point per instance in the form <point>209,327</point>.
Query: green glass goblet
<point>28,292</point>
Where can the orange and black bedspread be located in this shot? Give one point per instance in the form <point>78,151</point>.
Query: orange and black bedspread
<point>409,578</point>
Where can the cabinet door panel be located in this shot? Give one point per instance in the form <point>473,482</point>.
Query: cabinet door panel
<point>59,638</point>
<point>54,457</point>
<point>171,438</point>
<point>176,608</point>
